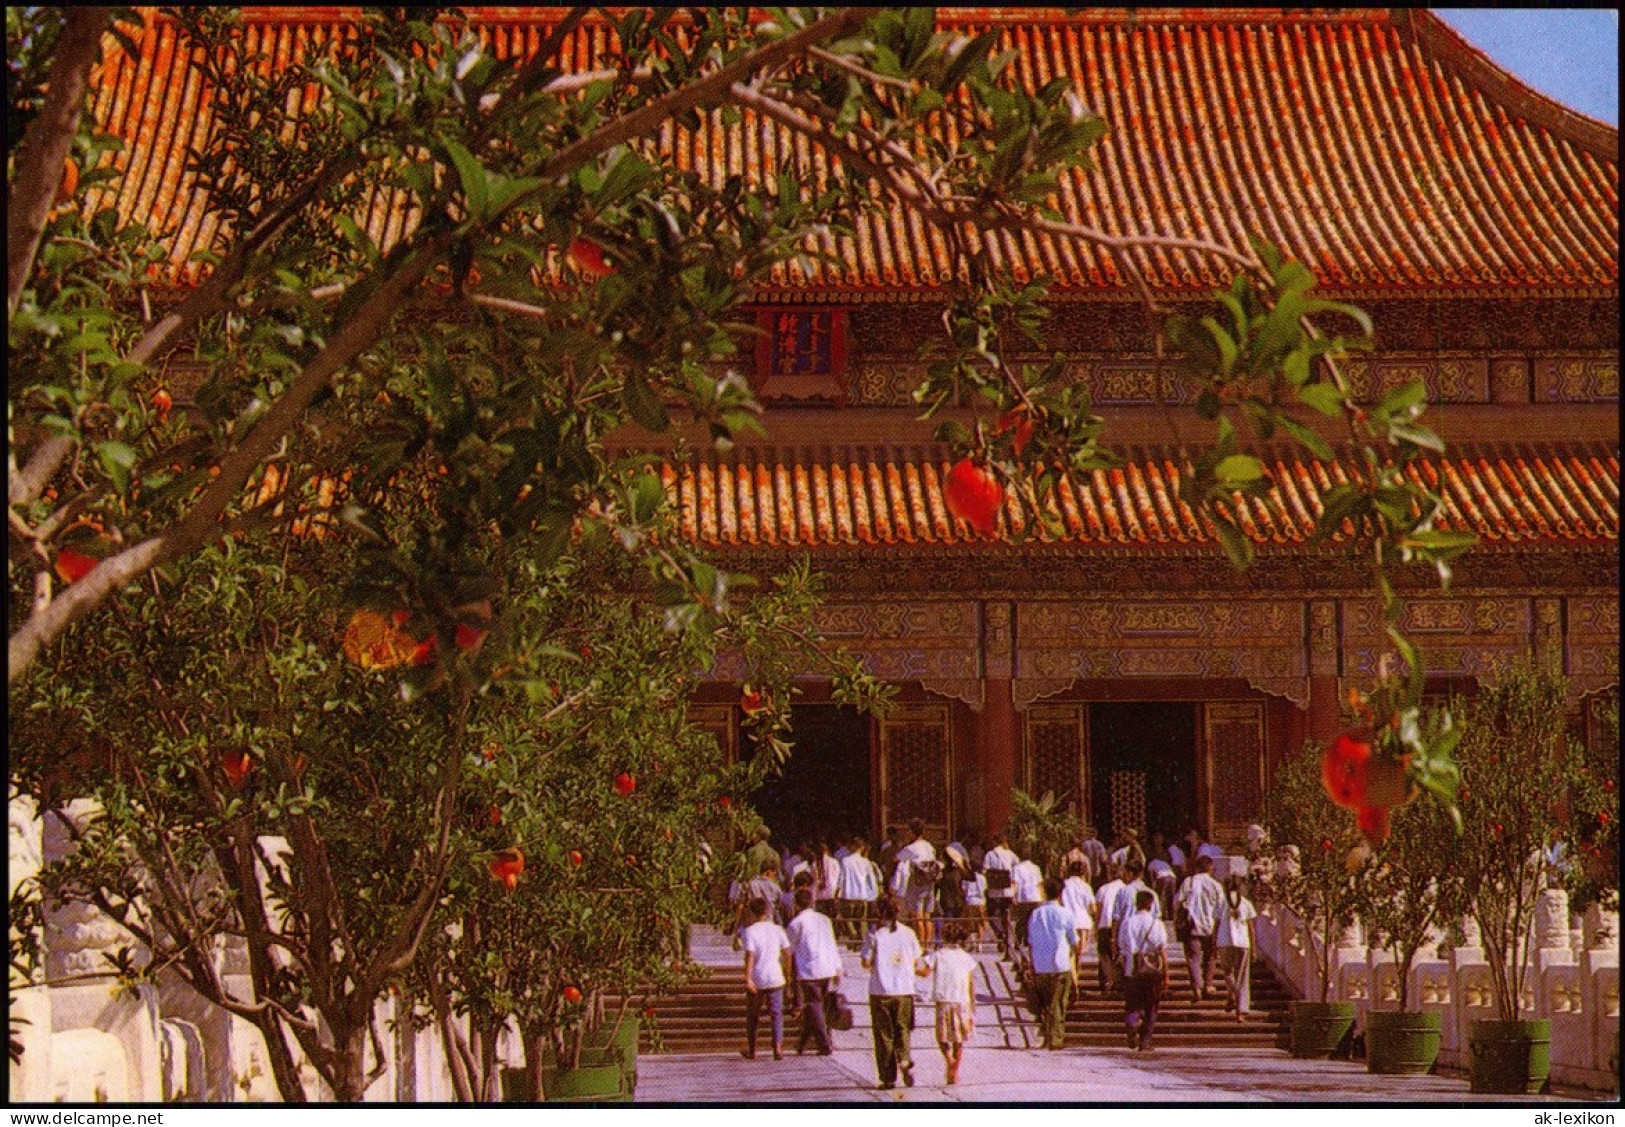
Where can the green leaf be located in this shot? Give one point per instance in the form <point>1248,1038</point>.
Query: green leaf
<point>1416,436</point>
<point>1408,394</point>
<point>1239,468</point>
<point>1412,659</point>
<point>475,182</point>
<point>1307,436</point>
<point>117,459</point>
<point>644,405</point>
<point>1323,397</point>
<point>1235,543</point>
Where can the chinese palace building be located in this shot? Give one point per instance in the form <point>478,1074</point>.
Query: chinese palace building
<point>1123,663</point>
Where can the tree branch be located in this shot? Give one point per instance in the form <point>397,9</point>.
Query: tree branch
<point>47,143</point>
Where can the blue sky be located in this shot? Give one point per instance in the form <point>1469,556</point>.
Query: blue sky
<point>1571,54</point>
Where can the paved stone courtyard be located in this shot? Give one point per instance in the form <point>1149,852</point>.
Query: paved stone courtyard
<point>998,1069</point>
<point>1002,1075</point>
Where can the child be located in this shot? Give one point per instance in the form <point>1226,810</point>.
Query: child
<point>952,970</point>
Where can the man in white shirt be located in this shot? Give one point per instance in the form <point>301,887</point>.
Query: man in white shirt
<point>915,880</point>
<point>767,967</point>
<point>1128,895</point>
<point>997,865</point>
<point>1142,989</point>
<point>1079,899</point>
<point>860,885</point>
<point>817,963</point>
<point>1027,882</point>
<point>1202,899</point>
<point>1106,932</point>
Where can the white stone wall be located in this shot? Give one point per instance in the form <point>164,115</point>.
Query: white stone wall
<point>1578,991</point>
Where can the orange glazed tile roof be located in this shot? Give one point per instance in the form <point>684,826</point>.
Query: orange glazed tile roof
<point>837,496</point>
<point>1375,144</point>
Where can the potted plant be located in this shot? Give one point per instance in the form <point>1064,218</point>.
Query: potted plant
<point>1314,840</point>
<point>1406,895</point>
<point>1041,829</point>
<point>1524,824</point>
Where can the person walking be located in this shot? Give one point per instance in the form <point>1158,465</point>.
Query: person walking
<point>1234,939</point>
<point>817,963</point>
<point>997,865</point>
<point>1027,881</point>
<point>952,970</point>
<point>860,885</point>
<point>1079,899</point>
<point>767,966</point>
<point>1052,942</point>
<point>1201,897</point>
<point>826,875</point>
<point>760,852</point>
<point>1142,943</point>
<point>1106,933</point>
<point>974,888</point>
<point>915,879</point>
<point>891,954</point>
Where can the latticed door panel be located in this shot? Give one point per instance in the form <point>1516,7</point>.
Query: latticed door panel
<point>1056,760</point>
<point>717,719</point>
<point>1235,767</point>
<point>915,768</point>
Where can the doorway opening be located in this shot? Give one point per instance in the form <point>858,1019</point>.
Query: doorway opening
<point>825,789</point>
<point>1143,767</point>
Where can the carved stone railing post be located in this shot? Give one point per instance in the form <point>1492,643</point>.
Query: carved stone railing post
<point>30,1078</point>
<point>1552,930</point>
<point>111,1029</point>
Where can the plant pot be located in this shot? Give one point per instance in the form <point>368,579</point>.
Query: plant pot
<point>1511,1057</point>
<point>1401,1044</point>
<point>598,1083</point>
<point>1318,1028</point>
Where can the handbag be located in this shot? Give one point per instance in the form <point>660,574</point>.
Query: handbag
<point>1150,961</point>
<point>998,880</point>
<point>837,1013</point>
<point>1184,928</point>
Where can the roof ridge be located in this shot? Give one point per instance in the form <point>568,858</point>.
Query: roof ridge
<point>1501,87</point>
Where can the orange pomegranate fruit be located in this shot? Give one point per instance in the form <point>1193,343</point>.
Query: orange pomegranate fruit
<point>1373,822</point>
<point>590,259</point>
<point>73,566</point>
<point>625,784</point>
<point>236,764</point>
<point>1343,769</point>
<point>70,181</point>
<point>974,495</point>
<point>572,995</point>
<point>506,867</point>
<point>1020,421</point>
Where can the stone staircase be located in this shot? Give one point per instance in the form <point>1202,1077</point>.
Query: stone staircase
<point>1094,1021</point>
<point>708,1014</point>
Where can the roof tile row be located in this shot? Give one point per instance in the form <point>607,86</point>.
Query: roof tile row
<point>1353,138</point>
<point>858,496</point>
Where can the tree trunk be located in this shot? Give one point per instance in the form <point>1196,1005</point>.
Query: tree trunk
<point>283,1069</point>
<point>534,1039</point>
<point>348,1074</point>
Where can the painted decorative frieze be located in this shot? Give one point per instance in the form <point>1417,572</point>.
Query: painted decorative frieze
<point>1260,642</point>
<point>1577,379</point>
<point>1458,635</point>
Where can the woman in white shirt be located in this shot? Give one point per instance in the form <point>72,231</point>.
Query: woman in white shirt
<point>975,886</point>
<point>1233,938</point>
<point>891,953</point>
<point>953,988</point>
